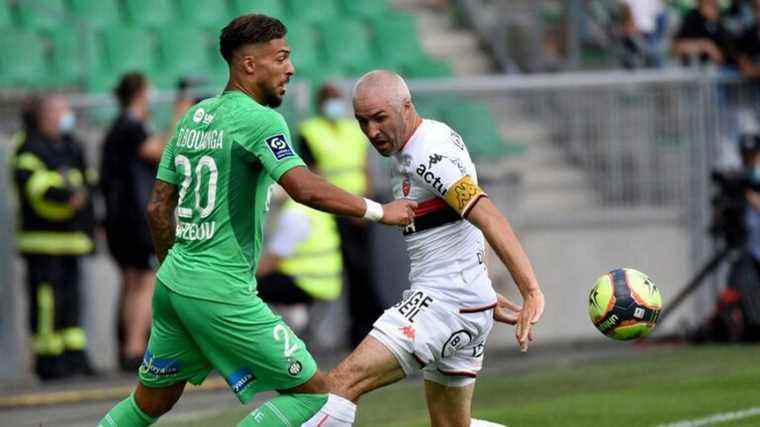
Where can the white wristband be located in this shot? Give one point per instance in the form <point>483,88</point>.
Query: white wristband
<point>374,211</point>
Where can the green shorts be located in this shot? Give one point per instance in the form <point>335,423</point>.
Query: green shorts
<point>250,346</point>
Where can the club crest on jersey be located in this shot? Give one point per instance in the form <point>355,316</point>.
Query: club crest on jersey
<point>279,147</point>
<point>406,186</point>
<point>294,367</point>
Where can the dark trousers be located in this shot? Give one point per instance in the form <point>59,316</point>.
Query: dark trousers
<point>55,303</point>
<point>364,305</point>
<point>278,288</point>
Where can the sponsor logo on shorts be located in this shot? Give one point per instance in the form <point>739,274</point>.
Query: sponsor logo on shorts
<point>159,367</point>
<point>456,341</point>
<point>408,332</point>
<point>295,367</point>
<point>413,304</point>
<point>240,379</point>
<point>279,147</point>
<point>477,351</point>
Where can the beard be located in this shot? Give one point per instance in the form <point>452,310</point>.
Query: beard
<point>271,98</point>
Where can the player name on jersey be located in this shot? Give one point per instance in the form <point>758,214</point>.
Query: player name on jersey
<point>192,231</point>
<point>194,139</point>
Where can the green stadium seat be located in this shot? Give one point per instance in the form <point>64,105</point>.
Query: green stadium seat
<point>364,8</point>
<point>181,51</point>
<point>40,15</point>
<point>345,43</point>
<point>306,10</point>
<point>395,38</point>
<point>195,12</point>
<point>149,13</point>
<point>6,20</point>
<point>475,124</point>
<point>98,13</point>
<point>302,39</point>
<point>426,67</point>
<point>127,49</point>
<point>32,71</point>
<point>74,55</point>
<point>272,8</point>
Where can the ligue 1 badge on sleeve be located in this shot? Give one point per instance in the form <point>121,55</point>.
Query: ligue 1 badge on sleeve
<point>279,147</point>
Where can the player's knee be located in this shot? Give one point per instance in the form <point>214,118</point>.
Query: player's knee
<point>157,401</point>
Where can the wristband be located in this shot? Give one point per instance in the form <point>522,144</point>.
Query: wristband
<point>374,211</point>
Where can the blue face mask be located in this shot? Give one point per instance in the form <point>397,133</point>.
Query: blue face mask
<point>67,122</point>
<point>334,109</point>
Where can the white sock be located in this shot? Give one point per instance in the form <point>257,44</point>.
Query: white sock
<point>482,423</point>
<point>337,412</point>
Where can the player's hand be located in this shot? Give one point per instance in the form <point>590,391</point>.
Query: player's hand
<point>398,212</point>
<point>533,308</point>
<point>505,311</point>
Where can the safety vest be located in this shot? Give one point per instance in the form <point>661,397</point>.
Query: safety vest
<point>43,177</point>
<point>340,152</point>
<point>317,265</point>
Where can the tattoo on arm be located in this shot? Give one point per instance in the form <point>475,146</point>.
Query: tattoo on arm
<point>161,207</point>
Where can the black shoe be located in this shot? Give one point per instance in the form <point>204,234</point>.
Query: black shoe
<point>78,363</point>
<point>50,368</point>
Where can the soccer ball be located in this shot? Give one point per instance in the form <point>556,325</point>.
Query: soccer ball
<point>624,304</point>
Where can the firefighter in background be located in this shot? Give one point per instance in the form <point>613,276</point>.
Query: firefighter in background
<point>337,148</point>
<point>54,231</point>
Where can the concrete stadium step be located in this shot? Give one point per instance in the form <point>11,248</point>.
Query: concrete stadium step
<point>443,40</point>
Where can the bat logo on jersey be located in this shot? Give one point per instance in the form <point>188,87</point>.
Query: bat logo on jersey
<point>279,147</point>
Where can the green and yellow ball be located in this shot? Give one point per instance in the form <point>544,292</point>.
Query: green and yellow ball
<point>624,304</point>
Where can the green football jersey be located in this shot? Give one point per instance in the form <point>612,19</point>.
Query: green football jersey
<point>223,157</point>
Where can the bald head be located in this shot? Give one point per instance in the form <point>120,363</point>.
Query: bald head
<point>383,107</point>
<point>383,86</point>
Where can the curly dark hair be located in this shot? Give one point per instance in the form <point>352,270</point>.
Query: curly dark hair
<point>249,29</point>
<point>129,86</point>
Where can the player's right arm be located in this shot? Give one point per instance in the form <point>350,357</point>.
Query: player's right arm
<point>312,190</point>
<point>161,207</point>
<point>162,203</point>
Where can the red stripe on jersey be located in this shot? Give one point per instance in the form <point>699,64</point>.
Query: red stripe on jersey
<point>477,309</point>
<point>430,206</point>
<point>458,373</point>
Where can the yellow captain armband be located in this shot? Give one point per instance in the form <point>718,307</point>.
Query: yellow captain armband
<point>463,194</point>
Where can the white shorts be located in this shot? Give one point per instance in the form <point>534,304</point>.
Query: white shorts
<point>443,339</point>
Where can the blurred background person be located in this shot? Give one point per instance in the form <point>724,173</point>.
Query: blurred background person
<point>644,29</point>
<point>55,230</point>
<point>748,47</point>
<point>130,155</point>
<point>334,144</point>
<point>302,263</point>
<point>702,36</point>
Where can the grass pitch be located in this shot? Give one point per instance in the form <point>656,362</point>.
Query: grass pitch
<point>643,387</point>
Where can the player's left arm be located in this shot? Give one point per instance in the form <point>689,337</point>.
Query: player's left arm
<point>472,203</point>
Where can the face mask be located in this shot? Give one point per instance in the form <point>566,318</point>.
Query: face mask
<point>67,122</point>
<point>334,109</point>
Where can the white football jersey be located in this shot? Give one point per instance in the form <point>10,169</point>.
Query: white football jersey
<point>446,252</point>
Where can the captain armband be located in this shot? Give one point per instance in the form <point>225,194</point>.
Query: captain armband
<point>463,194</point>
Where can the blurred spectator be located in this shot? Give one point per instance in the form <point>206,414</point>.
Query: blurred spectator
<point>338,149</point>
<point>702,36</point>
<point>738,17</point>
<point>55,231</point>
<point>128,168</point>
<point>748,47</point>
<point>302,263</point>
<point>644,30</point>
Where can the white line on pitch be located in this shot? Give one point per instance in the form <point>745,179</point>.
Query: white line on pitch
<point>715,419</point>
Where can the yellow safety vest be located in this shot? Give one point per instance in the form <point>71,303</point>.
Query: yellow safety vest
<point>316,265</point>
<point>340,152</point>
